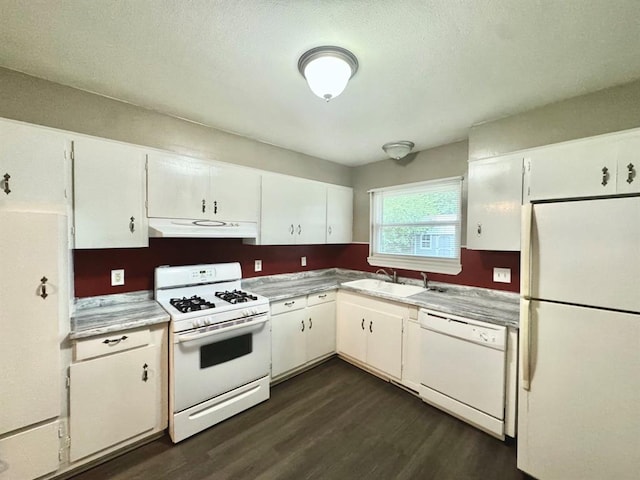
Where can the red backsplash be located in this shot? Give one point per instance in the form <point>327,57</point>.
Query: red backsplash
<point>92,268</point>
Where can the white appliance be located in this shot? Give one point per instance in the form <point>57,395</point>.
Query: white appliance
<point>579,391</point>
<point>463,368</point>
<point>220,345</point>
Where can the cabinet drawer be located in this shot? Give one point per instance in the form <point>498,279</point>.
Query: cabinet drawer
<point>321,297</point>
<point>110,343</point>
<point>288,305</point>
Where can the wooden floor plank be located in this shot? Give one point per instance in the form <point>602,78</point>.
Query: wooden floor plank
<point>332,422</point>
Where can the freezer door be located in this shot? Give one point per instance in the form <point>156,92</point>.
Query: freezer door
<point>579,419</point>
<point>586,252</point>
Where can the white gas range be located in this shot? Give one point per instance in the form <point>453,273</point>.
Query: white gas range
<point>220,345</point>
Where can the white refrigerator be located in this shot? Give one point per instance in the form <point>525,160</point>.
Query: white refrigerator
<point>579,386</point>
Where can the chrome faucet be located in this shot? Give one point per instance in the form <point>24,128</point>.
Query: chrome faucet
<point>425,280</point>
<point>393,278</point>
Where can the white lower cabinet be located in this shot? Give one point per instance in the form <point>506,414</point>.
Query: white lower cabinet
<point>303,329</point>
<point>117,391</point>
<point>30,454</point>
<point>370,331</point>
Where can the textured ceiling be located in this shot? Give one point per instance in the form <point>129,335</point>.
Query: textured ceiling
<point>429,69</point>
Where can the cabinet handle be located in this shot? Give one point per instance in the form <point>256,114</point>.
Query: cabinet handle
<point>630,176</point>
<point>324,295</point>
<point>299,229</point>
<point>291,230</point>
<point>302,321</point>
<point>132,225</point>
<point>6,188</point>
<point>362,324</point>
<point>115,341</point>
<point>605,176</point>
<point>479,229</point>
<point>329,229</point>
<point>43,287</point>
<point>371,326</point>
<point>288,304</point>
<point>145,372</point>
<point>215,206</point>
<point>310,324</point>
<point>204,205</point>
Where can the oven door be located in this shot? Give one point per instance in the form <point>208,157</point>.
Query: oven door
<point>209,363</point>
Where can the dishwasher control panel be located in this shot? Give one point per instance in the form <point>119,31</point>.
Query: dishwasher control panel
<point>494,336</point>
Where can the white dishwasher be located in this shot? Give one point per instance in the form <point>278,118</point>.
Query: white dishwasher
<point>462,369</point>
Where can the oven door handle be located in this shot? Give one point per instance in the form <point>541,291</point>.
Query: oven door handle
<point>259,320</point>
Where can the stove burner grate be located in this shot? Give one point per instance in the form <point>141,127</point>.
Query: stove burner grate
<point>191,304</point>
<point>235,296</point>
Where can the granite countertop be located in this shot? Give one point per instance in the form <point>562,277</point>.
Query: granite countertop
<point>112,313</point>
<point>493,306</point>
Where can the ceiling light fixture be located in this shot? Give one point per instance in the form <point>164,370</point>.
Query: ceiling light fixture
<point>328,70</point>
<point>398,150</point>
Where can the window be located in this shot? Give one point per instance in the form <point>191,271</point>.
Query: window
<point>417,226</point>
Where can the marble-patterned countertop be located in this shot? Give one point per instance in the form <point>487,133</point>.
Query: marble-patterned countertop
<point>493,306</point>
<point>113,313</point>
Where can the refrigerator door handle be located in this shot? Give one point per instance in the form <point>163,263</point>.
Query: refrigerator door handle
<point>525,341</point>
<point>525,254</point>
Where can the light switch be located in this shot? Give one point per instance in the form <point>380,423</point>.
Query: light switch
<point>502,275</point>
<point>117,277</point>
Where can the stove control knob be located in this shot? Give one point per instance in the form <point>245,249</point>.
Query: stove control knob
<point>198,322</point>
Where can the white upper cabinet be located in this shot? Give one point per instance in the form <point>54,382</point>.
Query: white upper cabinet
<point>178,187</point>
<point>494,201</point>
<point>339,214</point>
<point>591,167</point>
<point>33,168</point>
<point>109,194</point>
<point>628,164</point>
<point>235,194</point>
<point>183,187</point>
<point>293,211</point>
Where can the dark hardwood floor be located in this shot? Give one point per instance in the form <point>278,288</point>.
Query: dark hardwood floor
<point>332,422</point>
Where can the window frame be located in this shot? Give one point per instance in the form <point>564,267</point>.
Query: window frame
<point>451,266</point>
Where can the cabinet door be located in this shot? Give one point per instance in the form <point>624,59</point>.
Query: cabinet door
<point>339,214</point>
<point>235,193</point>
<point>321,334</point>
<point>351,339</point>
<point>110,401</point>
<point>109,195</point>
<point>311,224</point>
<point>288,344</point>
<point>33,169</point>
<point>384,342</point>
<point>279,210</point>
<point>178,187</point>
<point>29,343</point>
<point>580,169</point>
<point>628,155</point>
<point>30,454</point>
<point>411,355</point>
<point>494,201</point>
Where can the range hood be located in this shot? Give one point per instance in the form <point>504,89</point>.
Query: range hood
<point>182,228</point>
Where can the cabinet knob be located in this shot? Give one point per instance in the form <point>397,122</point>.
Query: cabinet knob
<point>479,229</point>
<point>6,188</point>
<point>132,224</point>
<point>43,287</point>
<point>605,176</point>
<point>631,173</point>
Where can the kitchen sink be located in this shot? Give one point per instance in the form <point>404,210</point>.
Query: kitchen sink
<point>381,286</point>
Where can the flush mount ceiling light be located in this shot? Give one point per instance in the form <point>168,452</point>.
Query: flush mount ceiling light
<point>328,70</point>
<point>398,150</point>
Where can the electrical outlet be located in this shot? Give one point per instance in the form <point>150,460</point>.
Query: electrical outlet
<point>303,261</point>
<point>117,277</point>
<point>257,266</point>
<point>502,275</point>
